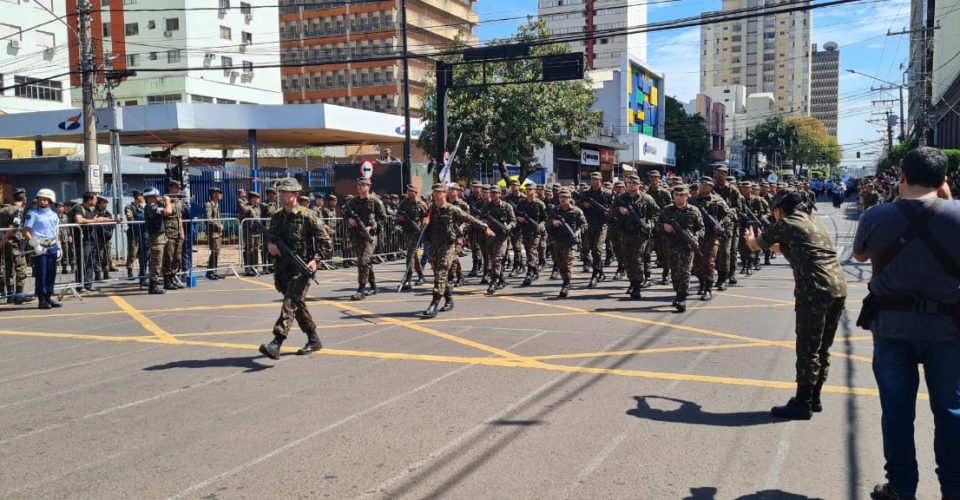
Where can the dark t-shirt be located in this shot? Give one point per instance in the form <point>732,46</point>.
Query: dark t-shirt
<point>86,213</point>
<point>914,273</point>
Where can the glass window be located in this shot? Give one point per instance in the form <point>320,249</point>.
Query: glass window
<point>245,8</point>
<point>133,59</point>
<point>226,62</point>
<point>224,4</point>
<point>226,33</point>
<point>106,30</point>
<point>131,29</point>
<point>164,98</point>
<point>173,56</point>
<point>246,38</point>
<point>151,25</point>
<point>172,24</point>
<point>201,98</point>
<point>45,40</point>
<point>34,88</point>
<point>247,67</point>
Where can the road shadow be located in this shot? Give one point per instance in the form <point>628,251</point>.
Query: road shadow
<point>249,363</point>
<point>692,413</point>
<point>710,493</point>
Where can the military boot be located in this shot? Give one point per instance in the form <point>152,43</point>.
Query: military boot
<point>473,271</point>
<point>564,289</point>
<point>554,273</point>
<point>633,284</point>
<point>618,275</point>
<point>732,278</point>
<point>492,288</point>
<point>43,303</point>
<point>485,279</point>
<point>53,303</point>
<point>419,279</point>
<point>706,292</point>
<point>766,259</point>
<point>431,311</point>
<point>272,350</point>
<point>756,263</point>
<point>313,344</point>
<point>601,276</point>
<point>168,283</point>
<point>816,406</point>
<point>447,301</point>
<point>528,279</point>
<point>106,275</point>
<point>681,302</point>
<point>129,273</point>
<point>373,288</point>
<point>156,289</point>
<point>18,298</point>
<point>593,280</point>
<point>665,279</point>
<point>175,279</point>
<point>212,276</point>
<point>885,492</point>
<point>406,286</point>
<point>635,291</point>
<point>721,281</point>
<point>361,293</point>
<point>97,276</point>
<point>646,283</point>
<point>799,407</point>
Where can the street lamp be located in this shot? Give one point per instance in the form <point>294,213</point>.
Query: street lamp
<point>899,87</point>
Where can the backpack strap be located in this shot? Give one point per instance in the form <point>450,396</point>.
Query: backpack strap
<point>923,232</point>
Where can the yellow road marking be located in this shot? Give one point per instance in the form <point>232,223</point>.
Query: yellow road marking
<point>701,308</point>
<point>150,339</point>
<point>144,321</point>
<point>781,301</point>
<point>659,350</point>
<point>267,330</point>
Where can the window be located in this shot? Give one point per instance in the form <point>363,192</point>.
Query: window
<point>33,88</point>
<point>245,8</point>
<point>130,103</point>
<point>106,30</point>
<point>224,4</point>
<point>226,62</point>
<point>133,59</point>
<point>226,33</point>
<point>151,25</point>
<point>129,2</point>
<point>131,29</point>
<point>45,4</point>
<point>164,98</point>
<point>226,101</point>
<point>201,98</point>
<point>171,24</point>
<point>247,67</point>
<point>153,56</point>
<point>173,56</point>
<point>246,38</point>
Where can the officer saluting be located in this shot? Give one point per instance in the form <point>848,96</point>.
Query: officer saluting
<point>301,231</point>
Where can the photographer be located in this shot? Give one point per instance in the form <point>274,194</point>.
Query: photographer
<point>912,311</point>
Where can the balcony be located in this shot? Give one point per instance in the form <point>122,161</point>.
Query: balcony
<point>289,35</point>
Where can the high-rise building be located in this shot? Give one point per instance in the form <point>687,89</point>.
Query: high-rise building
<point>825,85</point>
<point>766,53</point>
<point>230,41</point>
<point>325,46</point>
<point>714,119</point>
<point>600,28</point>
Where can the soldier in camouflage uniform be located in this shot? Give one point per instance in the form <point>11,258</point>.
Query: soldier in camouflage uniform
<point>705,264</point>
<point>662,196</point>
<point>456,269</point>
<point>531,230</point>
<point>66,240</point>
<point>563,242</point>
<point>211,212</point>
<point>301,231</point>
<point>497,245</point>
<point>369,208</point>
<point>749,260</point>
<point>727,255</point>
<point>613,237</point>
<point>634,213</point>
<point>13,246</point>
<point>133,230</point>
<point>688,218</point>
<point>251,208</point>
<point>173,225</point>
<point>443,230</point>
<point>476,241</point>
<point>409,216</point>
<point>103,261</point>
<point>154,214</point>
<point>513,197</point>
<point>596,236</point>
<point>267,209</point>
<point>820,293</point>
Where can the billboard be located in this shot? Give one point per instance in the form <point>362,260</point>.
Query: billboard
<point>645,113</point>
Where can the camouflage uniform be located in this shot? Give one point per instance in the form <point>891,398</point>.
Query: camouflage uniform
<point>681,256</point>
<point>103,234</point>
<point>475,201</point>
<point>634,237</point>
<point>302,232</point>
<point>67,234</point>
<point>371,211</point>
<point>14,250</point>
<point>413,212</point>
<point>133,235</point>
<point>729,243</point>
<point>562,247</point>
<point>516,235</point>
<point>173,227</point>
<point>658,244</point>
<point>596,236</point>
<point>749,258</point>
<point>252,239</point>
<point>267,209</point>
<point>443,232</point>
<point>704,267</point>
<point>531,232</point>
<point>496,247</point>
<point>456,269</point>
<point>153,220</point>
<point>211,210</point>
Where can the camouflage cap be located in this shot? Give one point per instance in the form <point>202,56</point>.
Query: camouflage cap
<point>653,173</point>
<point>288,184</point>
<point>439,187</point>
<point>476,184</point>
<point>730,178</point>
<point>304,197</point>
<point>211,191</point>
<point>317,195</point>
<point>676,180</point>
<point>633,178</point>
<point>363,180</point>
<point>514,182</point>
<point>619,184</point>
<point>607,184</point>
<point>564,193</point>
<point>19,191</point>
<point>706,181</point>
<point>786,200</point>
<point>721,168</point>
<point>485,188</point>
<point>411,187</point>
<point>101,199</point>
<point>254,194</point>
<point>174,182</point>
<point>332,196</point>
<point>271,190</point>
<point>744,184</point>
<point>680,189</point>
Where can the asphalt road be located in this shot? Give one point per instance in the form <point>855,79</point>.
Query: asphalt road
<point>125,395</point>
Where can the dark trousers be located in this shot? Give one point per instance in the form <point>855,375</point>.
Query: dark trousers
<point>86,252</point>
<point>895,366</point>
<point>45,274</point>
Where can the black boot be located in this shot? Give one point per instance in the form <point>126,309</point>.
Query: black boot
<point>564,289</point>
<point>601,276</point>
<point>175,280</point>
<point>766,259</point>
<point>665,279</point>
<point>646,283</point>
<point>156,289</point>
<point>635,292</point>
<point>447,301</point>
<point>313,344</point>
<point>18,299</point>
<point>129,273</point>
<point>816,405</point>
<point>43,303</point>
<point>722,281</point>
<point>361,293</point>
<point>212,276</point>
<point>168,283</point>
<point>484,280</point>
<point>554,273</point>
<point>593,280</point>
<point>431,311</point>
<point>618,275</point>
<point>706,292</point>
<point>272,350</point>
<point>633,284</point>
<point>417,283</point>
<point>528,279</point>
<point>492,288</point>
<point>53,303</point>
<point>473,272</point>
<point>681,302</point>
<point>798,408</point>
<point>373,288</point>
<point>885,492</point>
<point>732,279</point>
<point>97,276</point>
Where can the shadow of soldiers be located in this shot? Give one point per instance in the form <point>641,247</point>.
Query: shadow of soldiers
<point>692,413</point>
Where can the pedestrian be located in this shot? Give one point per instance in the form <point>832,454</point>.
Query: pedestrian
<point>442,228</point>
<point>85,215</point>
<point>820,293</point>
<point>565,227</point>
<point>298,228</point>
<point>676,220</point>
<point>41,231</point>
<point>211,212</point>
<point>913,311</point>
<point>364,214</point>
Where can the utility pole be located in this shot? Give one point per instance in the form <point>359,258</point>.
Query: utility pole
<point>88,83</point>
<point>407,147</point>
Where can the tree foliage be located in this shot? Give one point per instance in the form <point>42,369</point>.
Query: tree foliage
<point>803,140</point>
<point>505,124</point>
<point>891,161</point>
<point>689,134</point>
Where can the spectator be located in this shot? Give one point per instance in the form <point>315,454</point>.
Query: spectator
<point>912,311</point>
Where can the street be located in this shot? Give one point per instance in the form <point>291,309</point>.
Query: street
<point>520,395</point>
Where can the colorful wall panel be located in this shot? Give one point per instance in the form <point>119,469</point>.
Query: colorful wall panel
<point>643,98</point>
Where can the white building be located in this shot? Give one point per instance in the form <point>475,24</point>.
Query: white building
<point>182,54</point>
<point>742,113</point>
<point>579,18</point>
<point>37,58</point>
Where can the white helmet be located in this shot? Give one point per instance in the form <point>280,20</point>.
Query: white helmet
<point>48,194</point>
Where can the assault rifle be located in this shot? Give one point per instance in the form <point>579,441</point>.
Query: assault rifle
<point>286,250</point>
<point>635,223</point>
<point>411,258</point>
<point>756,222</point>
<point>408,220</point>
<point>519,212</point>
<point>497,226</point>
<point>594,205</point>
<point>711,222</point>
<point>683,234</point>
<point>349,214</point>
<point>565,230</point>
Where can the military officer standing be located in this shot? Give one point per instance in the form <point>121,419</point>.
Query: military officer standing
<point>409,215</point>
<point>130,214</point>
<point>300,230</point>
<point>154,214</point>
<point>565,227</point>
<point>252,239</point>
<point>530,226</point>
<point>705,264</point>
<point>13,248</point>
<point>369,209</point>
<point>103,261</point>
<point>173,227</point>
<point>675,218</point>
<point>634,212</point>
<point>211,212</point>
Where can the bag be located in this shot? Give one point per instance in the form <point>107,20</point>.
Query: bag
<point>869,311</point>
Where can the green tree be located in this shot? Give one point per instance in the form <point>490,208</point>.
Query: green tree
<point>813,145</point>
<point>689,134</point>
<point>774,137</point>
<point>891,161</point>
<point>505,124</point>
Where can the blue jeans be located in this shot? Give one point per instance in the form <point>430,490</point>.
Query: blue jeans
<point>895,364</point>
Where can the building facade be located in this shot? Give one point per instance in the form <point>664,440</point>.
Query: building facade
<point>946,80</point>
<point>347,53</point>
<point>741,113</point>
<point>766,54</point>
<point>599,25</point>
<point>825,85</point>
<point>183,54</point>
<point>714,118</point>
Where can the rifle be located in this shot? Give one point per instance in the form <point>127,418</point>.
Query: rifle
<point>519,212</point>
<point>408,221</point>
<point>757,222</point>
<point>360,226</point>
<point>635,223</point>
<point>565,229</point>
<point>711,221</point>
<point>594,205</point>
<point>497,226</point>
<point>411,258</point>
<point>286,250</point>
<point>684,235</point>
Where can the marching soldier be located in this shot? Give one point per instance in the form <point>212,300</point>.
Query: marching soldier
<point>596,235</point>
<point>173,227</point>
<point>476,240</point>
<point>409,215</point>
<point>513,197</point>
<point>369,209</point>
<point>662,196</point>
<point>565,226</point>
<point>613,237</point>
<point>633,215</point>
<point>456,269</point>
<point>727,255</point>
<point>675,219</point>
<point>530,227</point>
<point>705,264</point>
<point>133,230</point>
<point>13,246</point>
<point>211,212</point>
<point>301,232</point>
<point>443,230</point>
<point>496,245</point>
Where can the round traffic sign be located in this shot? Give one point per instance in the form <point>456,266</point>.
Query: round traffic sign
<point>773,178</point>
<point>366,169</point>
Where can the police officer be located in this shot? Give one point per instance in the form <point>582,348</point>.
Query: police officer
<point>13,247</point>
<point>565,226</point>
<point>409,215</point>
<point>301,231</point>
<point>154,214</point>
<point>369,209</point>
<point>211,212</point>
<point>130,214</point>
<point>443,230</point>
<point>40,231</point>
<point>674,220</point>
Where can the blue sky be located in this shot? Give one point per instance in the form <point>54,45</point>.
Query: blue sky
<point>859,29</point>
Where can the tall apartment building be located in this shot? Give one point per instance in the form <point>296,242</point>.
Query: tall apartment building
<point>714,115</point>
<point>597,18</point>
<point>212,51</point>
<point>766,54</point>
<point>325,46</point>
<point>825,85</point>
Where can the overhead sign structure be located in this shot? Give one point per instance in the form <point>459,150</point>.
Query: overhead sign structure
<point>366,169</point>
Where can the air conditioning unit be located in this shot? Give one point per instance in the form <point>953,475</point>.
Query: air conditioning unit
<point>48,51</point>
<point>167,34</point>
<point>243,48</point>
<point>246,77</point>
<point>248,17</point>
<point>14,44</point>
<point>234,74</point>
